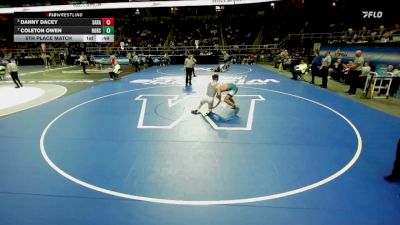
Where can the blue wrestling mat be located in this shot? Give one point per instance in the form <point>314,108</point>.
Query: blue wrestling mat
<point>130,152</point>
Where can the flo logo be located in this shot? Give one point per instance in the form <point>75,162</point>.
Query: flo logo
<point>372,14</point>
<point>168,111</point>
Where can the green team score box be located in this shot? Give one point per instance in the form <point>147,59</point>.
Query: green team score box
<point>64,38</point>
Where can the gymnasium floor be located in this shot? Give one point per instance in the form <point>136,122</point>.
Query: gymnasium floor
<point>130,152</point>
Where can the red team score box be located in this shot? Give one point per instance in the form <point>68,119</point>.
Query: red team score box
<point>108,22</point>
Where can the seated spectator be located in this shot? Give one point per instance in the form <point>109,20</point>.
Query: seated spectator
<point>365,69</point>
<point>346,70</point>
<point>396,72</point>
<point>114,74</point>
<point>364,34</point>
<point>389,69</point>
<point>337,70</point>
<point>379,35</point>
<point>165,60</point>
<point>349,35</point>
<point>251,59</point>
<point>299,69</point>
<point>393,32</point>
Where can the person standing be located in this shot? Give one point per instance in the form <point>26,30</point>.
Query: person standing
<point>82,61</point>
<point>12,69</point>
<point>315,64</point>
<point>355,72</point>
<point>44,57</point>
<point>325,64</point>
<point>189,64</point>
<point>113,60</point>
<point>395,175</point>
<point>135,62</point>
<point>2,72</point>
<point>62,58</point>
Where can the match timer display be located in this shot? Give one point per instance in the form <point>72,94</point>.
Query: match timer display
<point>62,27</point>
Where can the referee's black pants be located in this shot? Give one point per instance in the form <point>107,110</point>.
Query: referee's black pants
<point>189,72</point>
<point>353,75</point>
<point>83,66</point>
<point>14,76</point>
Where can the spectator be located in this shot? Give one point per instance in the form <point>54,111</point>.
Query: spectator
<point>337,70</point>
<point>396,72</point>
<point>315,64</point>
<point>62,57</point>
<point>393,32</point>
<point>114,74</point>
<point>135,62</point>
<point>389,68</point>
<point>299,69</point>
<point>2,72</point>
<point>164,60</point>
<point>365,69</point>
<point>346,71</point>
<point>325,64</point>
<point>380,34</point>
<point>113,60</point>
<point>364,34</point>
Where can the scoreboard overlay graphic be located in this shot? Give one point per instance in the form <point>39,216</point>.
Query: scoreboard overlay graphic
<point>62,27</point>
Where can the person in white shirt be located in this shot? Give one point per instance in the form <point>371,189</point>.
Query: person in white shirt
<point>83,61</point>
<point>135,62</point>
<point>396,72</point>
<point>365,69</point>
<point>12,69</point>
<point>325,64</point>
<point>299,69</point>
<point>355,72</point>
<point>114,75</point>
<point>189,67</point>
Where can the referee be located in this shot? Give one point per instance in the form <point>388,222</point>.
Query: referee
<point>83,61</point>
<point>189,67</point>
<point>12,69</point>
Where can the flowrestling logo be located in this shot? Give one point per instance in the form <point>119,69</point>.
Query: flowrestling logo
<point>372,14</point>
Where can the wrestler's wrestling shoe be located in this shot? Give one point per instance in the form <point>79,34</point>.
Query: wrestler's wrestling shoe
<point>236,109</point>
